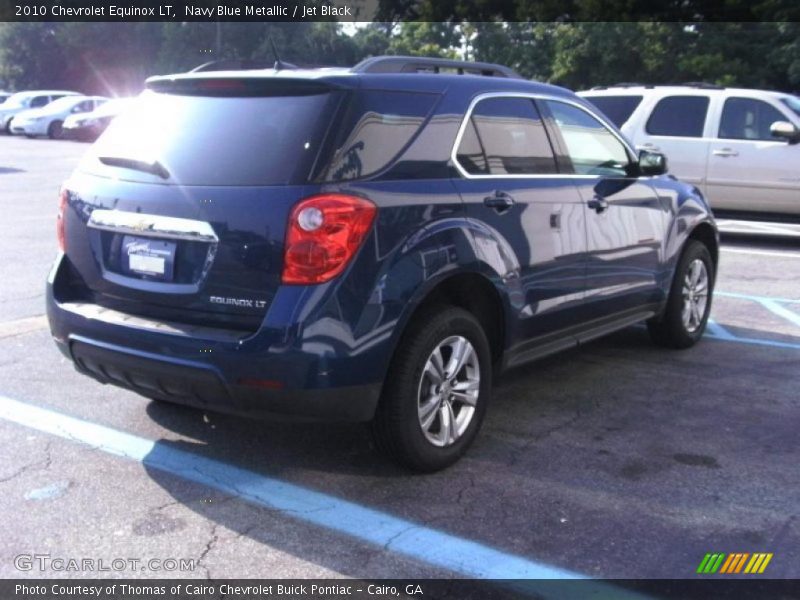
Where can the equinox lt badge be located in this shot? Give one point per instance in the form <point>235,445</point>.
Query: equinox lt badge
<point>241,302</point>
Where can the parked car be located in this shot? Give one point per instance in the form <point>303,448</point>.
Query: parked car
<point>21,101</point>
<point>88,126</point>
<point>739,146</point>
<point>49,120</point>
<point>366,244</point>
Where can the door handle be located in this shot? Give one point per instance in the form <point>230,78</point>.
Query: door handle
<point>598,204</point>
<point>725,152</point>
<point>500,201</point>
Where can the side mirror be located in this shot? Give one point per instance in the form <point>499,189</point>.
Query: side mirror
<point>785,131</point>
<point>652,163</point>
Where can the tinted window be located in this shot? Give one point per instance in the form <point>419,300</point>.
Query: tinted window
<point>618,109</point>
<point>591,146</point>
<point>217,140</point>
<point>39,101</point>
<point>748,119</point>
<point>377,126</point>
<point>506,136</point>
<point>679,116</point>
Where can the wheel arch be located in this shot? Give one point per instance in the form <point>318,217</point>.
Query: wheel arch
<point>474,292</point>
<point>706,234</point>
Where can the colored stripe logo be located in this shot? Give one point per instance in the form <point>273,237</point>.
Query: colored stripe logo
<point>731,564</point>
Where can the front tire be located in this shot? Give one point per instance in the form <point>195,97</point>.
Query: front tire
<point>689,302</point>
<point>437,390</point>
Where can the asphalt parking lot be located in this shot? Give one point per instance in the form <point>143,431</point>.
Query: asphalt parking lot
<point>616,460</point>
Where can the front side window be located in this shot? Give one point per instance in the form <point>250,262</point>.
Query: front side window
<point>679,116</point>
<point>748,119</point>
<point>84,106</point>
<point>592,148</point>
<point>506,136</point>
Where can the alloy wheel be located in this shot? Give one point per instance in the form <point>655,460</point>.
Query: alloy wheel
<point>448,391</point>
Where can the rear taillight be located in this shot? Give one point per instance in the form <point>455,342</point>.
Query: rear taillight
<point>63,198</point>
<point>324,233</point>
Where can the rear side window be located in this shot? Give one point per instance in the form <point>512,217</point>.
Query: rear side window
<point>679,116</point>
<point>618,109</point>
<point>377,126</point>
<point>748,119</point>
<point>217,139</point>
<point>506,136</point>
<point>39,101</point>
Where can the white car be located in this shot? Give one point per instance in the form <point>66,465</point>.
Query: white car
<point>739,146</point>
<point>88,126</point>
<point>21,101</point>
<point>49,120</point>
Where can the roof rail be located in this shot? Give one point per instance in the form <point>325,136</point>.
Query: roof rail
<point>421,64</point>
<point>703,85</point>
<point>627,84</point>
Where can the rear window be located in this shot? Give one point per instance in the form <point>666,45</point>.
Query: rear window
<point>618,109</point>
<point>265,138</point>
<point>679,116</point>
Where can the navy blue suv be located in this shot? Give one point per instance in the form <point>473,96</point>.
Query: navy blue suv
<point>366,244</point>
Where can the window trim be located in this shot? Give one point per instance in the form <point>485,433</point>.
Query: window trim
<point>535,97</point>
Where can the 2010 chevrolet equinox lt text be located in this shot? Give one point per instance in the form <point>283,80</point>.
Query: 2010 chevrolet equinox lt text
<point>366,244</point>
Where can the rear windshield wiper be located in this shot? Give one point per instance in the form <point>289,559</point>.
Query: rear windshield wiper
<point>155,167</point>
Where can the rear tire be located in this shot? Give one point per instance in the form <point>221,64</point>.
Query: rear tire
<point>55,131</point>
<point>684,320</point>
<point>437,390</point>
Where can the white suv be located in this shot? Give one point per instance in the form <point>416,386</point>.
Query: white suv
<point>740,147</point>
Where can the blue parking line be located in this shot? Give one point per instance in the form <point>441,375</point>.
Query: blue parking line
<point>756,298</point>
<point>715,331</point>
<point>398,535</point>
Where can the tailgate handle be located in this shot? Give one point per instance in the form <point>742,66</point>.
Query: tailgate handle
<point>158,226</point>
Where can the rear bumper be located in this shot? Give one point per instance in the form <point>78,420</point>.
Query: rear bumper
<point>258,375</point>
<point>202,386</point>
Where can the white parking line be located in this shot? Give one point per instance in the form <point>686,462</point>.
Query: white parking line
<point>20,326</point>
<point>758,228</point>
<point>780,253</point>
